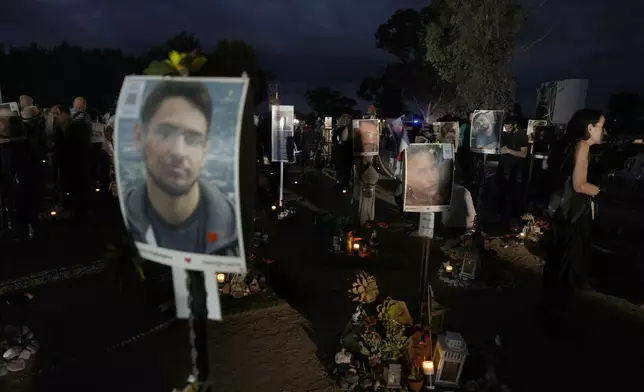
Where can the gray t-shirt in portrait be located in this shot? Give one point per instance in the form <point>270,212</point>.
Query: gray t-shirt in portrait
<point>189,236</point>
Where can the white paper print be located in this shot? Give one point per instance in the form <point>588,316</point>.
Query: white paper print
<point>98,132</point>
<point>426,225</point>
<point>177,170</point>
<point>429,177</point>
<point>447,132</point>
<point>366,137</point>
<point>129,103</point>
<point>282,127</point>
<point>179,280</point>
<point>532,124</point>
<point>486,131</point>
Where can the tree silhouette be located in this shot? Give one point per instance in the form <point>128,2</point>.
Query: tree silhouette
<point>327,102</point>
<point>57,75</point>
<point>385,96</point>
<point>412,78</point>
<point>471,45</point>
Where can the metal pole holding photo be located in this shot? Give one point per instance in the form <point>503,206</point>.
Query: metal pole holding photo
<point>198,321</point>
<point>426,232</point>
<point>281,196</point>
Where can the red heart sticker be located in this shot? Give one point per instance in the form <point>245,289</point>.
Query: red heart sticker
<point>188,259</point>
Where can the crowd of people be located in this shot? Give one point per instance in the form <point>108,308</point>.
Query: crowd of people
<point>68,146</point>
<point>572,197</point>
<point>78,144</point>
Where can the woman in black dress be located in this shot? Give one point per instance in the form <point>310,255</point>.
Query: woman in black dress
<point>565,266</point>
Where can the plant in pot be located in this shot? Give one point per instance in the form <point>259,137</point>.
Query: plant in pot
<point>415,378</point>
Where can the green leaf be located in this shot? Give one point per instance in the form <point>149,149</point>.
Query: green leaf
<point>159,68</point>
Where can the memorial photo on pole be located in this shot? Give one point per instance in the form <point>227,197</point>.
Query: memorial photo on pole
<point>447,132</point>
<point>366,137</point>
<point>282,127</point>
<point>429,176</point>
<point>532,124</point>
<point>10,122</point>
<point>176,155</point>
<point>486,131</point>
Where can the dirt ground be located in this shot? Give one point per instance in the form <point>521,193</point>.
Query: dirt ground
<point>287,348</point>
<point>604,327</point>
<point>266,350</point>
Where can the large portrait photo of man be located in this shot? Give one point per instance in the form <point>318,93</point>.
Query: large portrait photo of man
<point>177,170</point>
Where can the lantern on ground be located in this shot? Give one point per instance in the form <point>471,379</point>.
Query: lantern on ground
<point>449,359</point>
<point>470,265</point>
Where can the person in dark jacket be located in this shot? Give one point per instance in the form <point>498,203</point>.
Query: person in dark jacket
<point>173,208</point>
<point>32,169</point>
<point>73,147</point>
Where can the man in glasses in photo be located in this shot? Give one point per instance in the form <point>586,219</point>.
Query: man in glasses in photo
<point>174,208</point>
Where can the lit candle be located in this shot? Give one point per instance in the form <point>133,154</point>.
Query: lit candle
<point>221,278</point>
<point>356,246</point>
<point>428,368</point>
<point>273,208</point>
<point>344,191</point>
<point>98,190</point>
<point>428,371</point>
<point>53,213</point>
<point>449,268</point>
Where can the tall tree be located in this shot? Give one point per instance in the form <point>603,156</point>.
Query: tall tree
<point>403,36</point>
<point>327,102</point>
<point>384,95</point>
<point>232,58</point>
<point>471,43</point>
<point>57,75</point>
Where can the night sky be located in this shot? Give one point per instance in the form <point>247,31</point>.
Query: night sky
<point>331,42</point>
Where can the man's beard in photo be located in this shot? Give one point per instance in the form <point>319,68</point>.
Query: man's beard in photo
<point>165,187</point>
